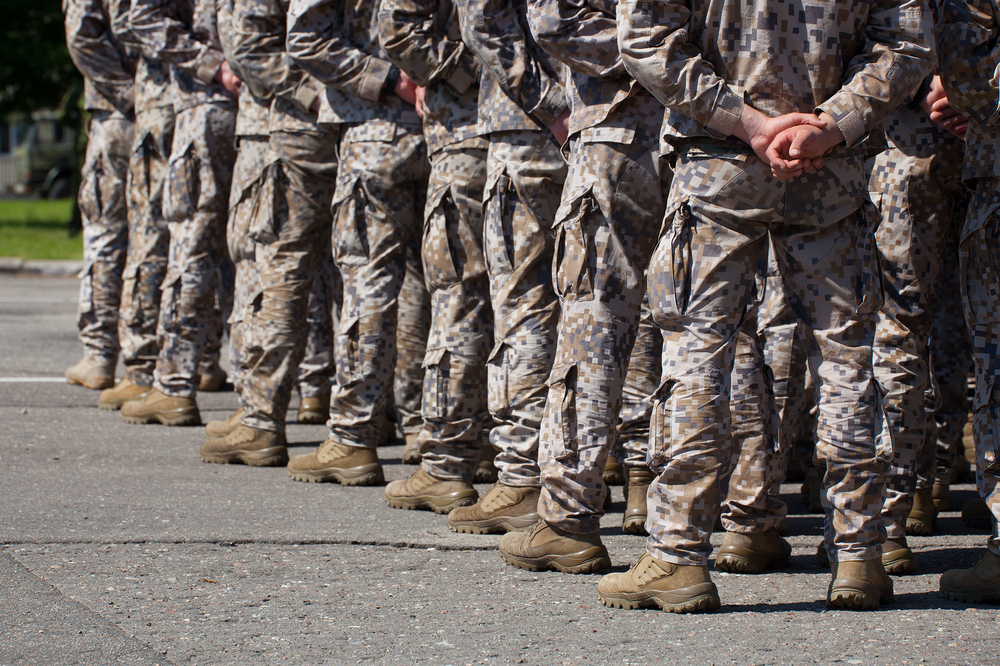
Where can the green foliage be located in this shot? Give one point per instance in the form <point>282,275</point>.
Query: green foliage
<point>37,229</point>
<point>35,70</point>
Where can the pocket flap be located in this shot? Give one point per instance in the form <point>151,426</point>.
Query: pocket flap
<point>433,357</point>
<point>560,373</point>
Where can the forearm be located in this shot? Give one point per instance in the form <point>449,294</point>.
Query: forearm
<point>411,34</point>
<point>164,38</point>
<point>574,33</point>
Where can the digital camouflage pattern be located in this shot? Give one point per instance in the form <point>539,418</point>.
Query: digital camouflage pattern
<point>107,64</point>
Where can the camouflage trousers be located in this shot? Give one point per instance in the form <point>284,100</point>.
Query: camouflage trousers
<point>455,380</point>
<point>413,322</point>
<point>149,241</point>
<point>290,226</point>
<point>524,181</point>
<point>979,260</point>
<point>704,274</point>
<point>105,233</point>
<point>195,204</point>
<point>641,380</point>
<point>606,230</point>
<point>920,195</point>
<point>377,208</point>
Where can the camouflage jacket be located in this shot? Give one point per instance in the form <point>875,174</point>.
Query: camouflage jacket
<point>423,38</point>
<point>337,42</point>
<point>183,34</point>
<point>152,79</point>
<point>254,42</point>
<point>524,89</point>
<point>969,44</point>
<point>583,35</point>
<point>854,59</point>
<point>107,65</point>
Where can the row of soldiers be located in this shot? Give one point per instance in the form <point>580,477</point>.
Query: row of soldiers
<point>580,225</point>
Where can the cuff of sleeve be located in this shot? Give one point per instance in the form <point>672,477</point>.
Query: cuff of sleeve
<point>307,92</point>
<point>373,80</point>
<point>552,106</point>
<point>849,123</point>
<point>464,75</point>
<point>726,114</point>
<point>126,100</point>
<point>208,65</point>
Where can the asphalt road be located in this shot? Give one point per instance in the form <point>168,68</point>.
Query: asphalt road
<point>119,546</point>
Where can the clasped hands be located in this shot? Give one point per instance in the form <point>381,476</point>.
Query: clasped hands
<point>792,144</point>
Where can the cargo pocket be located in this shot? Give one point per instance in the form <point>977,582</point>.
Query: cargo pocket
<point>498,236</point>
<point>498,375</point>
<point>436,378</point>
<point>348,352</point>
<point>980,272</point>
<point>182,187</point>
<point>561,409</point>
<point>868,290</point>
<point>884,449</point>
<point>658,454</point>
<point>350,231</point>
<point>86,287</point>
<point>440,264</point>
<point>90,198</point>
<point>169,312</point>
<point>678,293</point>
<point>264,225</point>
<point>572,272</point>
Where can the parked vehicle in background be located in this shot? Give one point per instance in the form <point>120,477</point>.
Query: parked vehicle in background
<point>44,159</point>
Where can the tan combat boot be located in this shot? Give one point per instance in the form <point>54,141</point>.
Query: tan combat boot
<point>650,582</point>
<point>411,452</point>
<point>753,553</point>
<point>923,516</point>
<point>157,407</point>
<point>112,399</point>
<point>332,461</point>
<point>424,491</point>
<point>980,584</point>
<point>976,514</point>
<point>502,509</point>
<point>215,429</point>
<point>859,585</point>
<point>897,558</point>
<point>250,446</point>
<point>812,489</point>
<point>314,411</point>
<point>212,379</point>
<point>548,547</point>
<point>941,492</point>
<point>92,374</point>
<point>614,473</point>
<point>486,471</point>
<point>639,478</point>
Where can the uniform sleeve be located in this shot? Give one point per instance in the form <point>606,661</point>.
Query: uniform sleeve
<point>257,38</point>
<point>316,44</point>
<point>96,54</point>
<point>411,35</point>
<point>577,34</point>
<point>164,37</point>
<point>493,30</point>
<point>898,54</point>
<point>969,59</point>
<point>655,41</point>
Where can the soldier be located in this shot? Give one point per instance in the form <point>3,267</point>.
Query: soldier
<point>184,35</point>
<point>289,229</point>
<point>606,228</point>
<point>377,206</point>
<point>969,56</point>
<point>424,40</point>
<point>748,164</point>
<point>108,69</point>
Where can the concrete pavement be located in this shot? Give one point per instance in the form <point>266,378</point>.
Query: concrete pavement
<point>121,547</point>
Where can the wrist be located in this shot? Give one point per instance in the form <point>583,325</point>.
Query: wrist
<point>391,79</point>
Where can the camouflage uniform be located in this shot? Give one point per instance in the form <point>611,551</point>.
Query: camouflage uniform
<point>184,35</point>
<point>520,97</point>
<point>916,184</point>
<point>149,239</point>
<point>641,380</point>
<point>606,227</point>
<point>454,393</point>
<point>413,323</point>
<point>723,203</point>
<point>969,55</point>
<point>109,72</point>
<point>376,204</point>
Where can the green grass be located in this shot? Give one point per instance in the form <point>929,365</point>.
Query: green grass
<point>38,229</point>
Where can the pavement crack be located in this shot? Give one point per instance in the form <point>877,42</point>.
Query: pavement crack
<point>411,545</point>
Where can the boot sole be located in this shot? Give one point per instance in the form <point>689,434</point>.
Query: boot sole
<point>365,475</point>
<point>412,460</point>
<point>435,503</point>
<point>274,456</point>
<point>696,599</point>
<point>919,523</point>
<point>312,418</point>
<point>484,475</point>
<point>591,560</point>
<point>856,595</point>
<point>900,564</point>
<point>982,596</point>
<point>106,383</point>
<point>635,525</point>
<point>734,559</point>
<point>498,525</point>
<point>183,419</point>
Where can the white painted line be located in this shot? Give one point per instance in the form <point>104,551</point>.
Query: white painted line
<point>12,380</point>
<point>36,299</point>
